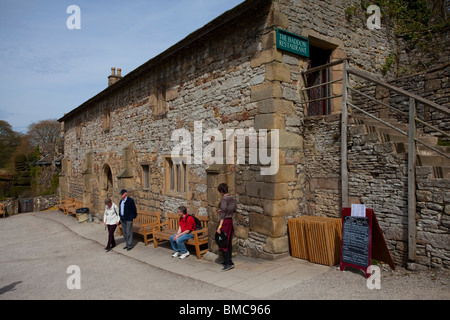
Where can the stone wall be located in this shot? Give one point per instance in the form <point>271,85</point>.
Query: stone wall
<point>323,165</point>
<point>40,203</point>
<point>433,225</point>
<point>231,77</point>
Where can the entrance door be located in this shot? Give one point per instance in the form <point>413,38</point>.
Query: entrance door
<point>318,57</point>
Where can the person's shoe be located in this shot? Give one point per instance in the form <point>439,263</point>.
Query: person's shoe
<point>175,254</point>
<point>184,255</point>
<point>228,267</point>
<point>125,248</point>
<point>128,249</point>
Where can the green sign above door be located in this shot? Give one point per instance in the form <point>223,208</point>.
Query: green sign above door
<point>292,43</point>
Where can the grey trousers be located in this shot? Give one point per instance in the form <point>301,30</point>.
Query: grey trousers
<point>127,229</point>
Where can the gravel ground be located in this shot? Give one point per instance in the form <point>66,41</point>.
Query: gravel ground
<point>399,284</point>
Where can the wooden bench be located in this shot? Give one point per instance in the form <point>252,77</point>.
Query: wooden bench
<point>2,210</point>
<point>145,223</point>
<point>71,208</point>
<point>63,204</point>
<point>170,227</point>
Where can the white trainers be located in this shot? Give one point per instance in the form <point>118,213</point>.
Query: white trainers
<point>184,255</point>
<point>175,254</point>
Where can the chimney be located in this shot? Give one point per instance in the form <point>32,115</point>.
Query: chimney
<point>113,78</point>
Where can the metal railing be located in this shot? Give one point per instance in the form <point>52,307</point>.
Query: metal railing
<point>413,119</point>
<point>310,91</point>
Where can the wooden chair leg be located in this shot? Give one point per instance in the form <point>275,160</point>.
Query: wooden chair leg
<point>197,251</point>
<point>145,239</point>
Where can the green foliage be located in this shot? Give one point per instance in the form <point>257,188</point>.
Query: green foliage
<point>9,140</point>
<point>22,170</point>
<point>390,61</point>
<point>443,142</point>
<point>419,22</point>
<point>413,18</point>
<point>54,183</point>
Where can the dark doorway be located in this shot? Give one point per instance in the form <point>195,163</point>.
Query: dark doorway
<point>319,57</point>
<point>25,205</point>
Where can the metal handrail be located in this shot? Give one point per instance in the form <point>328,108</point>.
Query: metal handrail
<point>324,66</point>
<point>378,119</point>
<point>424,101</point>
<point>400,131</point>
<point>379,102</point>
<point>321,99</point>
<point>322,84</point>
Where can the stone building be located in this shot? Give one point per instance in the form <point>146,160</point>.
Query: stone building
<point>231,74</point>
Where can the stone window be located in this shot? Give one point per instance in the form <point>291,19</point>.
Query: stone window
<point>145,176</point>
<point>78,131</point>
<point>106,121</point>
<point>176,177</point>
<point>160,108</point>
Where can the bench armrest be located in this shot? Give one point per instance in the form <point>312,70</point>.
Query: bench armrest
<point>159,226</point>
<point>154,226</point>
<point>201,231</point>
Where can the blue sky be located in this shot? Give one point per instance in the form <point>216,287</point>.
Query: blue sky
<point>47,70</point>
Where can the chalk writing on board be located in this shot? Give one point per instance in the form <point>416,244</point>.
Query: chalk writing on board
<point>355,241</point>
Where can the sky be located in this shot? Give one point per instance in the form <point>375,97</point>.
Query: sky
<point>48,69</point>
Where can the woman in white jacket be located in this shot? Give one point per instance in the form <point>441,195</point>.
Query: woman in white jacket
<point>111,220</point>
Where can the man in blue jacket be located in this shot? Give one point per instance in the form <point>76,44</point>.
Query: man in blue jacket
<point>128,212</point>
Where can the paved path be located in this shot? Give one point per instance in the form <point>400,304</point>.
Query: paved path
<point>37,248</point>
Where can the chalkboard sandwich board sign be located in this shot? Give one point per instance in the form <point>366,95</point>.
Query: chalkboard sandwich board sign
<point>356,244</point>
<point>362,240</point>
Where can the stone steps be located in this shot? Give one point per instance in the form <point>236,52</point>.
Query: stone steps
<point>390,141</point>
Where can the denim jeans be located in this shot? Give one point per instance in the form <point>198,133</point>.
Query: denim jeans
<point>178,245</point>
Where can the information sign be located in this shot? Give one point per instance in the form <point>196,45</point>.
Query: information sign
<point>293,43</point>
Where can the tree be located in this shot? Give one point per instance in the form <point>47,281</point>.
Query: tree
<point>9,140</point>
<point>46,134</point>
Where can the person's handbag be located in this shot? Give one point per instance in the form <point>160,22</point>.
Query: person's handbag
<point>221,239</point>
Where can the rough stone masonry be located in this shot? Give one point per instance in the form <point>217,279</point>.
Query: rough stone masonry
<point>228,75</point>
